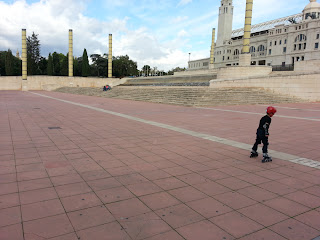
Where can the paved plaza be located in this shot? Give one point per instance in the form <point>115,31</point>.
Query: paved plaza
<point>78,167</point>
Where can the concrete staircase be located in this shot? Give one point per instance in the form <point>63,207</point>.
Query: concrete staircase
<point>188,96</point>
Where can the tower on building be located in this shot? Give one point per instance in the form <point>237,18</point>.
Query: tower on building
<point>225,21</point>
<point>18,54</point>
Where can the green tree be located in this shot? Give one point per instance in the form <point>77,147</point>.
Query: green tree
<point>99,66</point>
<point>33,54</point>
<point>9,63</point>
<point>15,64</point>
<point>77,66</point>
<point>122,66</point>
<point>56,64</point>
<point>64,65</point>
<point>85,64</point>
<point>146,70</point>
<point>50,65</point>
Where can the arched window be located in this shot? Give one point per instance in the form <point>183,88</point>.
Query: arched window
<point>252,49</point>
<point>301,38</point>
<point>261,48</point>
<point>236,52</point>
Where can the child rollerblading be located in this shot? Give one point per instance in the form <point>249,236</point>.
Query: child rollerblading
<point>263,134</point>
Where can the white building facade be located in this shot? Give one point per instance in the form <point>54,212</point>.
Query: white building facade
<point>279,42</point>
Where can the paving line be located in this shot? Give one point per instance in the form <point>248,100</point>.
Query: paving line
<point>244,146</point>
<point>281,116</point>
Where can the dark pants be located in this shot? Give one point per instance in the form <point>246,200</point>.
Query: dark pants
<point>261,138</point>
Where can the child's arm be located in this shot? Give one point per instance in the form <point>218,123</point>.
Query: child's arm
<point>266,129</point>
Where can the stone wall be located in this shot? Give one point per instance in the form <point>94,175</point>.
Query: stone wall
<point>307,66</point>
<point>243,71</point>
<point>53,82</point>
<point>303,85</point>
<point>197,72</point>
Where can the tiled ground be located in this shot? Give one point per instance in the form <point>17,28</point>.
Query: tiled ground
<point>106,177</point>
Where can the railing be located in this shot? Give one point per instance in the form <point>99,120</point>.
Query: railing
<point>288,67</point>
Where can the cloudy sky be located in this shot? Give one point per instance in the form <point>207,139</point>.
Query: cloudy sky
<point>159,33</point>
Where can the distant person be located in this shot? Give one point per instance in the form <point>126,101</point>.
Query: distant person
<point>106,88</point>
<point>263,135</point>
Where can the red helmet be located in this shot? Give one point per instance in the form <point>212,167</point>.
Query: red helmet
<point>271,110</point>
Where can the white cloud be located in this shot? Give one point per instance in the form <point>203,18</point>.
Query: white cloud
<point>184,2</point>
<point>179,19</point>
<point>51,22</point>
<point>182,33</point>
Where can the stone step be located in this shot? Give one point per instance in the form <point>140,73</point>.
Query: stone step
<point>188,96</point>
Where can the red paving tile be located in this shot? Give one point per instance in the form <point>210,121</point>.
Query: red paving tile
<point>286,206</point>
<point>171,235</point>
<point>90,217</point>
<point>187,194</point>
<point>9,200</point>
<point>209,207</point>
<point>127,208</point>
<point>169,183</point>
<point>9,216</point>
<point>144,188</point>
<point>263,234</point>
<point>179,215</point>
<point>263,214</point>
<point>85,168</point>
<point>72,189</point>
<point>235,200</point>
<point>145,225</point>
<point>80,201</point>
<point>311,219</point>
<point>236,224</point>
<point>203,230</point>
<point>37,195</point>
<point>294,230</point>
<point>47,227</point>
<point>114,194</point>
<point>110,231</point>
<point>159,200</point>
<point>41,209</point>
<point>12,232</point>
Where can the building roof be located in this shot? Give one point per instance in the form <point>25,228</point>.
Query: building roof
<point>268,25</point>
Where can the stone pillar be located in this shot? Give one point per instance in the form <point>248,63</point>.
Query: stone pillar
<point>211,65</point>
<point>110,57</point>
<point>70,57</point>
<point>24,61</point>
<point>245,59</point>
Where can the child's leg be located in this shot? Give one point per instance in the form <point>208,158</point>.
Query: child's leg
<point>265,145</point>
<point>255,145</point>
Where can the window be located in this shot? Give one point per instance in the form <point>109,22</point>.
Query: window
<point>316,45</point>
<point>301,38</point>
<point>252,49</point>
<point>285,41</point>
<point>261,48</point>
<point>270,43</point>
<point>280,42</point>
<point>300,46</point>
<point>236,52</point>
<point>318,36</point>
<point>269,51</point>
<point>205,64</point>
<point>285,49</point>
<point>223,58</point>
<point>295,47</point>
<point>275,43</point>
